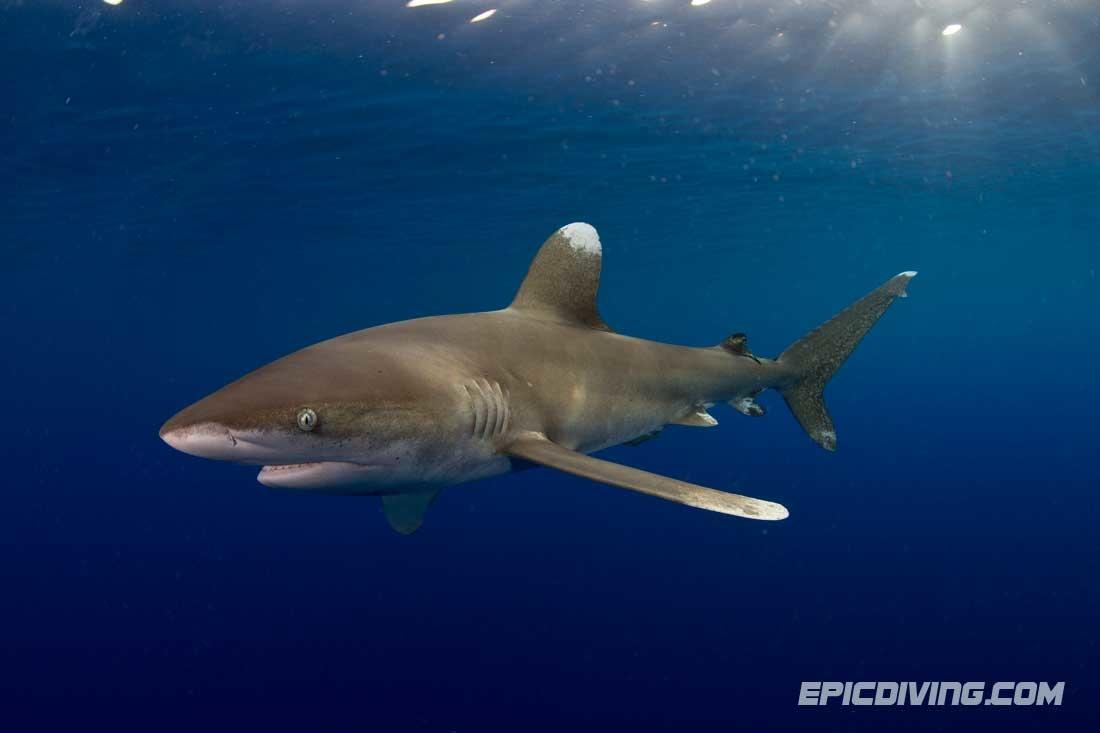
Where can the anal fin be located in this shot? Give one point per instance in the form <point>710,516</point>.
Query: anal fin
<point>540,450</point>
<point>747,406</point>
<point>405,512</point>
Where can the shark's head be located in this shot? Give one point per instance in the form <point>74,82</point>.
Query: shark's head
<point>338,416</point>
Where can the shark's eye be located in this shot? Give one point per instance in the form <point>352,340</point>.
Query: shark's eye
<point>307,419</point>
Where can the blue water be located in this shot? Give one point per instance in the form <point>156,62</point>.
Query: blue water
<point>189,190</point>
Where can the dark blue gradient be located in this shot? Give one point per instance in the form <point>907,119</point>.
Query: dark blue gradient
<point>191,189</point>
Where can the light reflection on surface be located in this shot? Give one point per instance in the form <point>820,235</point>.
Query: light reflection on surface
<point>483,16</point>
<point>848,76</point>
<point>864,44</point>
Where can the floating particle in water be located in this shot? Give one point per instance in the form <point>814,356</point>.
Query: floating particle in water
<point>952,29</point>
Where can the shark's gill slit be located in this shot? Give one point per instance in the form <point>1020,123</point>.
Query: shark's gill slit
<point>502,409</point>
<point>490,409</point>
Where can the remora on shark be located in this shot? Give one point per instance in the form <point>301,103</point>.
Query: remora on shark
<point>405,409</point>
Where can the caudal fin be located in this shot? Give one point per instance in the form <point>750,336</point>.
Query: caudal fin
<point>817,356</point>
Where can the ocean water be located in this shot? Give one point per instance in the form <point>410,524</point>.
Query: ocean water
<point>192,189</point>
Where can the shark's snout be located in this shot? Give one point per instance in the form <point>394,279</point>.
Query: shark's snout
<point>205,440</point>
<point>283,467</point>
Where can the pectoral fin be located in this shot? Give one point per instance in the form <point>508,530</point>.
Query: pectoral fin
<point>546,453</point>
<point>405,512</point>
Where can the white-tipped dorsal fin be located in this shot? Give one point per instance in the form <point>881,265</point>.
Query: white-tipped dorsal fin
<point>564,278</point>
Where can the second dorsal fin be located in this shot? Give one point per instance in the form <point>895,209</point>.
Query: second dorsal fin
<point>564,278</point>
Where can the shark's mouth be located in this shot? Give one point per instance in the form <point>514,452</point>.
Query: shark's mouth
<point>288,468</point>
<point>320,475</point>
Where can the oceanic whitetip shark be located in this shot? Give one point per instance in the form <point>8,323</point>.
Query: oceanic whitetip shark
<point>405,409</point>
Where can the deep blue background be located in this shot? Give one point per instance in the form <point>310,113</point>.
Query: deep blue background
<point>191,189</point>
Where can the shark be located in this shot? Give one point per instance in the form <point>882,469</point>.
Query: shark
<point>405,409</point>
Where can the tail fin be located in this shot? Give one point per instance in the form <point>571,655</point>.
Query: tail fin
<point>816,357</point>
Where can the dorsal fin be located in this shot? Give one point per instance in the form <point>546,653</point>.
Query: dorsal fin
<point>564,277</point>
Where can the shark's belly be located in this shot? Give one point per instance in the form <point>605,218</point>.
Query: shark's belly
<point>593,424</point>
<point>587,395</point>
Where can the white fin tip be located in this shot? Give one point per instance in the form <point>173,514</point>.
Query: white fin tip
<point>582,237</point>
<point>777,511</point>
<point>907,273</point>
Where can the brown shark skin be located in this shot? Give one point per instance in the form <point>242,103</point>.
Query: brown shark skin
<point>583,388</point>
<point>404,409</point>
